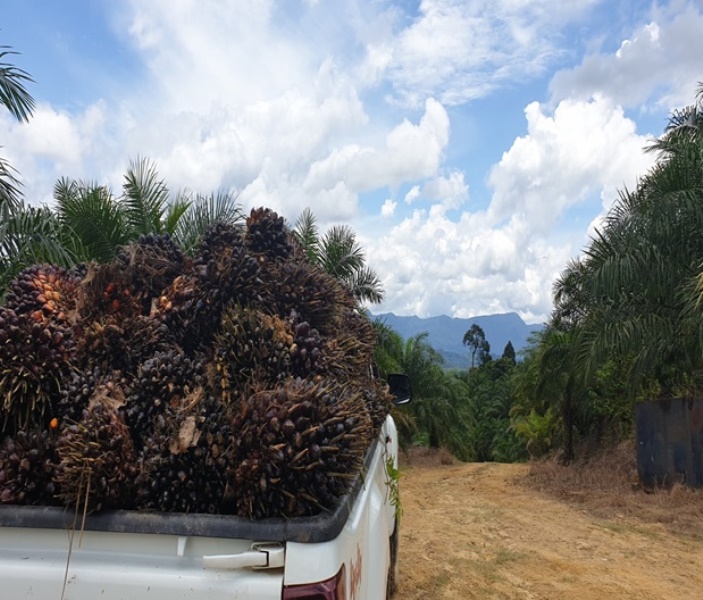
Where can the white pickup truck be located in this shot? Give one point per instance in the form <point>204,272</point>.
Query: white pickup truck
<point>49,553</point>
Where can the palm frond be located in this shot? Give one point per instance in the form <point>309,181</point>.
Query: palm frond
<point>10,193</point>
<point>144,198</point>
<point>204,211</point>
<point>13,94</point>
<point>91,212</point>
<point>305,231</point>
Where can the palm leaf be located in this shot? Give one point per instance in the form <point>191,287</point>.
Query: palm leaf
<point>13,94</point>
<point>90,211</point>
<point>145,198</point>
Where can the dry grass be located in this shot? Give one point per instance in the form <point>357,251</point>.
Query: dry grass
<point>606,484</point>
<point>421,456</point>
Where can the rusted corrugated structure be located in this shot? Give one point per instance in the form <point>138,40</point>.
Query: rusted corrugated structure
<point>670,441</point>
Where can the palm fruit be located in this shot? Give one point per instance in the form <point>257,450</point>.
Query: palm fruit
<point>267,234</point>
<point>377,398</point>
<point>217,242</point>
<point>297,448</point>
<point>164,380</point>
<point>84,388</point>
<point>35,354</point>
<point>250,347</point>
<point>152,263</point>
<point>122,344</point>
<point>349,353</point>
<point>97,462</point>
<point>106,292</point>
<point>45,291</point>
<point>192,306</point>
<point>306,350</point>
<point>313,294</point>
<point>184,459</point>
<point>27,464</point>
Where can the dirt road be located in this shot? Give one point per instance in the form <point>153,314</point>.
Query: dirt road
<point>475,531</point>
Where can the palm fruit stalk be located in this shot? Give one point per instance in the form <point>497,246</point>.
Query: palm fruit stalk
<point>297,448</point>
<point>184,458</point>
<point>27,464</point>
<point>97,461</point>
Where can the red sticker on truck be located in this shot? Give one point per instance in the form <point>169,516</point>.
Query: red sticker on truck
<point>355,574</point>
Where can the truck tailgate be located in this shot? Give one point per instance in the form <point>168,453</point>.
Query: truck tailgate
<point>125,566</point>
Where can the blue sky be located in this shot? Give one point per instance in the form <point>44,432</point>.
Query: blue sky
<point>473,145</point>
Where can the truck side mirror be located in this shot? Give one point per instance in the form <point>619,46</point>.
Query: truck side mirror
<point>399,385</point>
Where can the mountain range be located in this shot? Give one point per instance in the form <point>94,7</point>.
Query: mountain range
<point>445,334</point>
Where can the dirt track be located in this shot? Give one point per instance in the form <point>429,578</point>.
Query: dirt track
<point>474,531</point>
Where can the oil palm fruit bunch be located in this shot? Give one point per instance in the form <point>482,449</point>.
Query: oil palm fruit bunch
<point>46,291</point>
<point>164,380</point>
<point>297,448</point>
<point>184,459</point>
<point>306,350</point>
<point>349,353</point>
<point>152,263</point>
<point>106,292</point>
<point>112,343</point>
<point>217,241</point>
<point>304,288</point>
<point>97,464</point>
<point>192,306</point>
<point>27,463</point>
<point>35,354</point>
<point>267,234</point>
<point>251,347</point>
<point>377,398</point>
<point>84,388</point>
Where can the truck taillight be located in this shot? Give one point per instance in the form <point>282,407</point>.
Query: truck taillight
<point>330,589</point>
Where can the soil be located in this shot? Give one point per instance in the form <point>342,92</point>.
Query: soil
<point>479,530</point>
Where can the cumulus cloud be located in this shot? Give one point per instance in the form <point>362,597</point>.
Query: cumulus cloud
<point>459,50</point>
<point>410,152</point>
<point>388,208</point>
<point>452,191</point>
<point>430,265</point>
<point>565,157</point>
<point>659,63</point>
<point>412,195</point>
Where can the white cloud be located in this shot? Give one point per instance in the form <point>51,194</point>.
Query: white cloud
<point>412,195</point>
<point>451,191</point>
<point>565,157</point>
<point>410,152</point>
<point>388,208</point>
<point>459,50</point>
<point>432,265</point>
<point>660,62</point>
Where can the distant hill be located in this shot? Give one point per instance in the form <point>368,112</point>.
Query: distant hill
<point>445,334</point>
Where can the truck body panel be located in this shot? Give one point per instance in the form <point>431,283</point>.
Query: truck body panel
<point>132,555</point>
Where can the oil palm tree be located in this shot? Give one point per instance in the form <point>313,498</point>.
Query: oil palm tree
<point>16,99</point>
<point>338,253</point>
<point>103,222</point>
<point>628,295</point>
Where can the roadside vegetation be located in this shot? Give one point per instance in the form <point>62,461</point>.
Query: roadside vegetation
<point>627,326</point>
